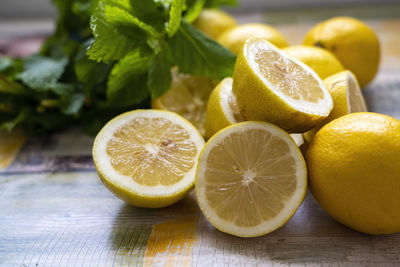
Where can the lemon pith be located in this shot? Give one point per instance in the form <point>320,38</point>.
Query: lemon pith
<point>271,86</point>
<point>148,157</point>
<point>250,179</point>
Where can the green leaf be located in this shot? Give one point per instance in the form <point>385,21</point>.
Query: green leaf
<point>10,87</point>
<point>160,73</point>
<point>5,63</point>
<point>197,54</point>
<point>72,104</point>
<point>11,124</point>
<point>175,15</point>
<point>127,84</point>
<point>109,43</point>
<point>118,13</point>
<point>218,3</point>
<point>194,10</point>
<point>41,73</point>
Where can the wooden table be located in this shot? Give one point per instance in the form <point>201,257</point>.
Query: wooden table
<point>54,211</point>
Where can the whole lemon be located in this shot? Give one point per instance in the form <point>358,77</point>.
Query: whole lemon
<point>214,22</point>
<point>323,62</point>
<point>352,42</point>
<point>354,171</point>
<point>234,38</point>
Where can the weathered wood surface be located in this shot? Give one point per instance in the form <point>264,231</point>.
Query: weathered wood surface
<point>54,211</point>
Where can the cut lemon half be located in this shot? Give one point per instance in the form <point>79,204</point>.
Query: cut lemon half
<point>347,98</point>
<point>271,86</point>
<point>188,97</point>
<point>250,179</point>
<point>148,157</point>
<point>222,108</point>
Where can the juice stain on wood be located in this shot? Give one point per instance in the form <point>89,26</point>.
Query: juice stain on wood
<point>170,243</point>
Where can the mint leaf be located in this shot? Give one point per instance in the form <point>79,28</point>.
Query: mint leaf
<point>197,54</point>
<point>175,15</point>
<point>127,84</point>
<point>109,43</point>
<point>119,13</point>
<point>217,3</point>
<point>9,87</point>
<point>160,73</point>
<point>40,73</point>
<point>5,63</point>
<point>72,104</point>
<point>194,10</point>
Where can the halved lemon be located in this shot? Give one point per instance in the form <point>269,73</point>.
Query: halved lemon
<point>188,97</point>
<point>347,98</point>
<point>148,157</point>
<point>250,179</point>
<point>223,111</point>
<point>271,86</point>
<point>222,108</point>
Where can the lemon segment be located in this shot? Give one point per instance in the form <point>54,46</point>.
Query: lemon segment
<point>214,22</point>
<point>188,97</point>
<point>148,157</point>
<point>222,108</point>
<point>354,171</point>
<point>347,98</point>
<point>352,42</point>
<point>234,38</point>
<point>323,62</point>
<point>271,86</point>
<point>250,179</point>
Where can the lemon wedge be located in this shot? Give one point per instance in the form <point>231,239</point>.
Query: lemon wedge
<point>148,157</point>
<point>271,86</point>
<point>250,179</point>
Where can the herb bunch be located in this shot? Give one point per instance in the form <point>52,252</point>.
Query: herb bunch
<point>106,57</point>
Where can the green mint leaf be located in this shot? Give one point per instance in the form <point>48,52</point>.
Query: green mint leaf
<point>152,12</point>
<point>5,63</point>
<point>175,15</point>
<point>194,10</point>
<point>40,73</point>
<point>88,71</point>
<point>9,87</point>
<point>127,84</point>
<point>160,73</point>
<point>218,3</point>
<point>197,54</point>
<point>72,104</point>
<point>10,125</point>
<point>119,14</point>
<point>109,43</point>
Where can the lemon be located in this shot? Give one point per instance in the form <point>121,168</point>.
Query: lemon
<point>235,38</point>
<point>347,98</point>
<point>250,179</point>
<point>323,62</point>
<point>222,108</point>
<point>148,157</point>
<point>188,97</point>
<point>352,42</point>
<point>354,171</point>
<point>214,22</point>
<point>271,86</point>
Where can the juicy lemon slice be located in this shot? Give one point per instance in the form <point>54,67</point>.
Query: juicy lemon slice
<point>250,179</point>
<point>347,98</point>
<point>188,97</point>
<point>271,86</point>
<point>148,157</point>
<point>222,108</point>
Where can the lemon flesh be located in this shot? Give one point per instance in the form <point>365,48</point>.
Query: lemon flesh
<point>271,86</point>
<point>188,97</point>
<point>347,98</point>
<point>147,157</point>
<point>250,179</point>
<point>352,42</point>
<point>323,62</point>
<point>234,38</point>
<point>354,171</point>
